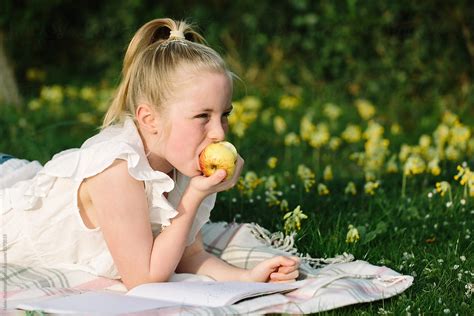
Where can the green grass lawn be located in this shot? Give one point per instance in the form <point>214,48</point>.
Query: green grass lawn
<point>422,237</point>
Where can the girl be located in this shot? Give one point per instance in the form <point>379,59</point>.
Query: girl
<point>129,204</point>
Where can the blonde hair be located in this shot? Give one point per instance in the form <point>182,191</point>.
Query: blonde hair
<point>152,59</point>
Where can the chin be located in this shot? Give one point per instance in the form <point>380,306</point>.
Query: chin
<point>190,172</point>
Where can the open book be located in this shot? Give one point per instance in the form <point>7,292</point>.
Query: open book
<point>159,295</point>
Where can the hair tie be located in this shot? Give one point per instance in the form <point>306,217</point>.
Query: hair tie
<point>177,35</point>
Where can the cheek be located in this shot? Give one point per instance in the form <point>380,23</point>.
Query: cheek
<point>225,126</point>
<point>184,140</point>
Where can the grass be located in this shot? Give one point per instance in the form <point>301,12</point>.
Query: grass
<point>423,238</point>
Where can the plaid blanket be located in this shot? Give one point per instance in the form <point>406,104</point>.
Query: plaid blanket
<point>330,283</point>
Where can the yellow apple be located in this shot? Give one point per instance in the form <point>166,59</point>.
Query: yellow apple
<point>221,155</point>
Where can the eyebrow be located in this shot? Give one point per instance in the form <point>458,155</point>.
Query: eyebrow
<point>229,108</point>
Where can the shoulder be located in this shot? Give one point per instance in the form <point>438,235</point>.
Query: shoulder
<point>114,182</point>
<point>117,172</point>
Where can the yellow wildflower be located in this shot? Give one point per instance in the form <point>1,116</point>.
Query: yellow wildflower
<point>395,129</point>
<point>369,175</point>
<point>327,173</point>
<point>358,157</point>
<point>443,187</point>
<point>370,187</point>
<point>352,235</point>
<point>87,118</point>
<point>392,166</point>
<point>433,167</point>
<point>270,183</point>
<point>322,189</point>
<point>405,151</point>
<point>374,130</point>
<point>284,205</point>
<point>35,74</point>
<point>52,94</point>
<point>459,136</point>
<point>71,92</point>
<point>293,220</point>
<point>289,102</point>
<point>244,113</point>
<point>332,111</point>
<point>414,165</point>
<point>464,174</point>
<point>452,153</point>
<point>470,147</point>
<point>292,139</point>
<point>266,116</point>
<point>441,134</point>
<point>272,162</point>
<point>271,197</point>
<point>449,118</point>
<point>334,143</point>
<point>320,136</point>
<point>249,183</point>
<point>279,125</point>
<point>365,108</point>
<point>425,141</point>
<point>307,176</point>
<point>307,128</point>
<point>34,104</point>
<point>88,93</point>
<point>350,188</point>
<point>251,103</point>
<point>352,133</point>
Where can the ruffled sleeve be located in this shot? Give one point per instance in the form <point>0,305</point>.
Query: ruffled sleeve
<point>95,155</point>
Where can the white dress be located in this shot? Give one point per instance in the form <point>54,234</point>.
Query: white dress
<point>41,223</point>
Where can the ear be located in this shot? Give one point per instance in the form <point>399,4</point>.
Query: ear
<point>147,118</point>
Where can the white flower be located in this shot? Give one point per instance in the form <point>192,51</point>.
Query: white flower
<point>430,195</point>
<point>463,202</point>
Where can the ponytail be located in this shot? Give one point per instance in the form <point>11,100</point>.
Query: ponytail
<point>149,64</point>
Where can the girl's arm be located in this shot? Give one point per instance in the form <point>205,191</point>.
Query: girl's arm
<point>122,210</point>
<point>196,260</point>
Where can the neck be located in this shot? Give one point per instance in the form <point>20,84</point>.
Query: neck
<point>157,162</point>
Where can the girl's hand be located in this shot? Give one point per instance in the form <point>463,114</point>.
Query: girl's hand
<point>276,269</point>
<point>215,183</point>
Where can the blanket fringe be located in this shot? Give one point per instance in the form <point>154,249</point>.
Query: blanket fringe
<point>280,241</point>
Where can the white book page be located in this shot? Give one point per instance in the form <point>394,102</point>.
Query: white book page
<point>103,303</point>
<point>208,293</point>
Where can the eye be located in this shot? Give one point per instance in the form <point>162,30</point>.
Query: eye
<point>204,116</point>
<point>226,114</point>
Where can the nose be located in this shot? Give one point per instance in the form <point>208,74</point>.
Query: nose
<point>217,131</point>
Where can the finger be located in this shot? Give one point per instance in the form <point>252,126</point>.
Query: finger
<point>278,261</point>
<point>289,261</point>
<point>284,276</point>
<point>239,165</point>
<point>287,269</point>
<point>217,177</point>
<point>282,281</point>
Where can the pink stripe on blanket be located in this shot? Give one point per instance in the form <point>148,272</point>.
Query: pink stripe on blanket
<point>10,293</point>
<point>97,284</point>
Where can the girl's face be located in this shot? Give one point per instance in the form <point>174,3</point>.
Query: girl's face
<point>196,115</point>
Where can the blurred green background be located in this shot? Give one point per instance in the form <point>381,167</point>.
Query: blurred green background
<point>411,59</point>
